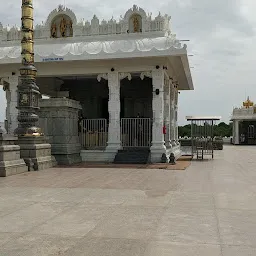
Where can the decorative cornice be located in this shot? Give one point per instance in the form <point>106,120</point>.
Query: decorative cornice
<point>102,76</point>
<point>63,48</point>
<point>146,74</point>
<point>124,75</point>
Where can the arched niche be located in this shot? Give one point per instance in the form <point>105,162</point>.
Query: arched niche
<point>134,19</point>
<point>61,26</point>
<point>135,23</point>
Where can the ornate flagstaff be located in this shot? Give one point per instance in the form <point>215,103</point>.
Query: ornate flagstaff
<point>34,149</point>
<point>28,91</point>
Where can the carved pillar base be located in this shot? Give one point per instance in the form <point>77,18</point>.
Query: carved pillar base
<point>36,152</point>
<point>10,161</point>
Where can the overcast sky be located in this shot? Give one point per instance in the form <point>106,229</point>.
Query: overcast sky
<point>222,39</point>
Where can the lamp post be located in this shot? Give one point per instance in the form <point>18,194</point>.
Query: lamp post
<point>28,91</point>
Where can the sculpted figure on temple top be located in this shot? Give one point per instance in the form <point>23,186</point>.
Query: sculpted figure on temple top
<point>54,30</point>
<point>136,24</point>
<point>63,27</point>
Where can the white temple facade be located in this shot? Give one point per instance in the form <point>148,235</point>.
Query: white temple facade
<point>122,77</point>
<point>244,124</point>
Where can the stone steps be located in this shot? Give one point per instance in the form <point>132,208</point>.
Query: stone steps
<point>132,156</point>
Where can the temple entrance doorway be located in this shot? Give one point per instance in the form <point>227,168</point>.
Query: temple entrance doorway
<point>247,132</point>
<point>136,112</point>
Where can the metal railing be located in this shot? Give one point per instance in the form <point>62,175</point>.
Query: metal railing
<point>94,133</point>
<point>136,132</point>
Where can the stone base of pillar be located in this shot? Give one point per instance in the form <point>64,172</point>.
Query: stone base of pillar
<point>10,161</point>
<point>168,144</point>
<point>67,153</point>
<point>111,151</point>
<point>113,147</point>
<point>156,152</point>
<point>68,159</point>
<point>173,142</point>
<point>36,152</point>
<point>176,151</point>
<point>236,141</point>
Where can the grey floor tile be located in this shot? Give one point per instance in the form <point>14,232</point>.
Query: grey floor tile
<point>108,247</point>
<point>39,245</point>
<point>237,227</point>
<point>238,251</point>
<point>77,221</point>
<point>31,216</point>
<point>188,225</point>
<point>131,222</point>
<point>178,249</point>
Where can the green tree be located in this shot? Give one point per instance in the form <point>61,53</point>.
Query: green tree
<point>220,130</point>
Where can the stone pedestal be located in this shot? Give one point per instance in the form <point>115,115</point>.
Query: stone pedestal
<point>10,161</point>
<point>58,118</point>
<point>36,152</point>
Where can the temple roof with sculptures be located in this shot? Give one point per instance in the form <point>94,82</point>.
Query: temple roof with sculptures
<point>62,35</point>
<point>135,20</point>
<point>246,111</point>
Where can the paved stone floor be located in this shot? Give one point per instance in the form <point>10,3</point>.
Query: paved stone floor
<point>207,210</point>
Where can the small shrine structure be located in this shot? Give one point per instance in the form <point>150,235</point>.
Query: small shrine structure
<point>244,124</point>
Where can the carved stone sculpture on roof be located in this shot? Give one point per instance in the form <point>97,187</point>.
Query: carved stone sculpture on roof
<point>27,2</point>
<point>70,28</point>
<point>61,8</point>
<point>95,25</point>
<point>60,11</point>
<point>136,24</point>
<point>54,30</point>
<point>63,27</point>
<point>135,20</point>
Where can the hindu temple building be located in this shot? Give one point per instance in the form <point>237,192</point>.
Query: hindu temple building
<point>244,124</point>
<point>112,86</point>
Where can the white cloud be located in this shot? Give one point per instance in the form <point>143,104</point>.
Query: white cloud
<point>221,37</point>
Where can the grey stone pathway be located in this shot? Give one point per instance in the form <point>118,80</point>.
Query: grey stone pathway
<point>207,210</point>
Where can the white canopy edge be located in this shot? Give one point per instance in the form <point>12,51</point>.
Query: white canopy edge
<point>214,118</point>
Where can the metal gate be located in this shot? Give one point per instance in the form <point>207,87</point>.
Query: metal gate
<point>136,132</point>
<point>251,133</point>
<point>94,133</point>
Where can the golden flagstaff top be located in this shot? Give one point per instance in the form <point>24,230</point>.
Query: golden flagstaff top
<point>248,103</point>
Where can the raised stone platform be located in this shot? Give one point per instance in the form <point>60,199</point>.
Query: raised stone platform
<point>36,152</point>
<point>59,122</point>
<point>10,161</point>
